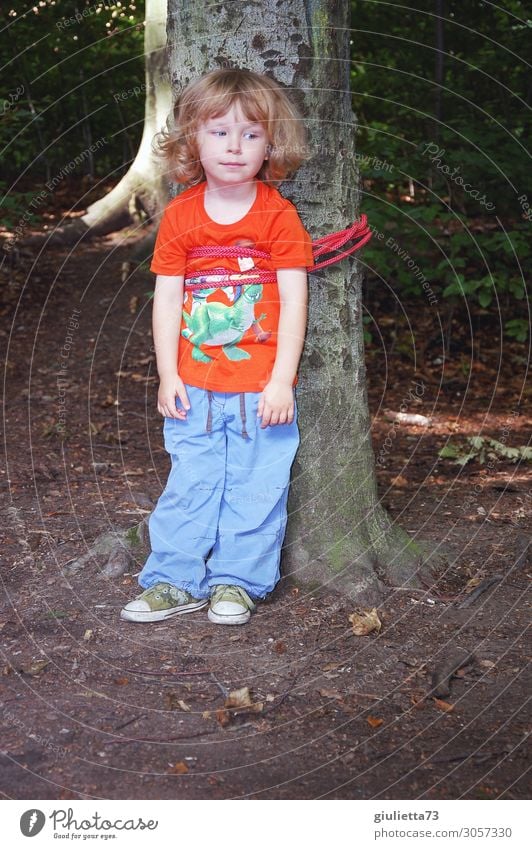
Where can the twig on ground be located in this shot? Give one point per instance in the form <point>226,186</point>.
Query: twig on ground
<point>167,674</point>
<point>482,587</point>
<point>224,691</point>
<point>129,721</point>
<point>445,669</point>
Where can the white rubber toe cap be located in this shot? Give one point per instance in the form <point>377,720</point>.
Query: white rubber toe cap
<point>229,608</point>
<point>228,613</point>
<point>139,610</point>
<point>137,606</point>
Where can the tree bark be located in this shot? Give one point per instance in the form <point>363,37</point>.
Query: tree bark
<point>338,532</point>
<point>144,190</point>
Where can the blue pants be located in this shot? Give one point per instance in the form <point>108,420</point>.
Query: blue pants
<point>225,499</point>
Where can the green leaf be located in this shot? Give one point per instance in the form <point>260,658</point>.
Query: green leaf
<point>485,298</point>
<point>448,451</point>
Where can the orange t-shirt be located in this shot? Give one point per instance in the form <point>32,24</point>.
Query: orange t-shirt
<point>228,338</point>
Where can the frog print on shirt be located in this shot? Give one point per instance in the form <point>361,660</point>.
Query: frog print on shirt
<point>214,323</point>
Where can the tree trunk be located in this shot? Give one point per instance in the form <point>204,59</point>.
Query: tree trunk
<point>337,531</point>
<point>144,190</point>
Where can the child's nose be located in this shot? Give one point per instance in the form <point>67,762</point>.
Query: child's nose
<point>233,141</point>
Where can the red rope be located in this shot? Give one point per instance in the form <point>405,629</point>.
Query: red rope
<point>358,232</point>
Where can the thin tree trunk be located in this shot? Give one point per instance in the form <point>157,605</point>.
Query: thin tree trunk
<point>440,57</point>
<point>143,191</point>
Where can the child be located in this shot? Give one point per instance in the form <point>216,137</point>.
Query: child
<point>227,356</point>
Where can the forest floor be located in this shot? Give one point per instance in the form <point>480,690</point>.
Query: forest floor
<point>93,707</point>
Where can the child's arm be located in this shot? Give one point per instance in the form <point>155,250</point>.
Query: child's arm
<point>167,309</point>
<point>276,404</point>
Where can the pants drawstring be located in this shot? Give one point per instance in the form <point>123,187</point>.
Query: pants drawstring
<point>209,414</point>
<point>245,434</point>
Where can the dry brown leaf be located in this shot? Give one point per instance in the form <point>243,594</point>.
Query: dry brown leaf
<point>240,701</point>
<point>179,768</point>
<point>280,647</point>
<point>474,582</point>
<point>399,481</point>
<point>88,634</point>
<point>488,664</point>
<point>365,621</point>
<point>133,304</point>
<point>173,703</point>
<point>35,667</point>
<point>374,722</point>
<point>330,694</point>
<point>223,717</point>
<point>445,706</point>
<point>330,667</point>
<point>418,700</point>
<point>122,681</point>
<point>239,698</point>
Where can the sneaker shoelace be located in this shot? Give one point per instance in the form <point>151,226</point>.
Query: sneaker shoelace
<point>234,594</point>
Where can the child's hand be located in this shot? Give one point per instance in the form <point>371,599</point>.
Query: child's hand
<point>171,388</point>
<point>276,404</point>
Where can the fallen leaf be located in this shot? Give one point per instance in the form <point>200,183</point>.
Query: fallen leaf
<point>399,481</point>
<point>280,647</point>
<point>474,582</point>
<point>330,694</point>
<point>445,706</point>
<point>173,703</point>
<point>418,700</point>
<point>365,621</point>
<point>487,663</point>
<point>179,768</point>
<point>240,701</point>
<point>35,667</point>
<point>133,304</point>
<point>121,681</point>
<point>87,635</point>
<point>374,722</point>
<point>223,717</point>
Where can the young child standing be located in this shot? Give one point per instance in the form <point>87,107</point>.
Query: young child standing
<point>227,354</point>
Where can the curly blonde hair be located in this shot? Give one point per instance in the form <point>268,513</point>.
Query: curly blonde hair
<point>261,99</point>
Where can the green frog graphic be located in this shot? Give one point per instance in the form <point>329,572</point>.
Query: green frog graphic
<point>219,324</point>
<point>213,323</point>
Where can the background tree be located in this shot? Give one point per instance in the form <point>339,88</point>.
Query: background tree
<point>108,75</point>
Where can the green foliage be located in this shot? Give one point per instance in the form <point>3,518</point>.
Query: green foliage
<point>444,168</point>
<point>15,205</point>
<point>517,328</point>
<point>484,449</point>
<point>63,62</point>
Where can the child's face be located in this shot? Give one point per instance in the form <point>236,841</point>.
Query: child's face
<point>232,149</point>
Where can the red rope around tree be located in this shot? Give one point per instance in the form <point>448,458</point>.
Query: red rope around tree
<point>358,231</point>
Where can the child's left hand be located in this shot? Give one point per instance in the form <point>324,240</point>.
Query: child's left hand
<point>276,404</point>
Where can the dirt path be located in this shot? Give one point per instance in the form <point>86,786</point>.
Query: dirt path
<point>96,708</point>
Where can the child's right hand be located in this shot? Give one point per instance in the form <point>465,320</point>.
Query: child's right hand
<point>171,388</point>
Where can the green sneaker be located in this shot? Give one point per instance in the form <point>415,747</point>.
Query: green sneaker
<point>159,602</point>
<point>230,605</point>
